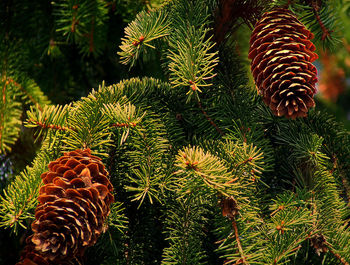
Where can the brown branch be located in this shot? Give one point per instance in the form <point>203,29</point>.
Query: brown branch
<point>229,207</point>
<point>64,128</point>
<point>340,258</point>
<point>74,20</point>
<point>326,32</point>
<point>51,126</point>
<point>122,124</point>
<point>292,250</point>
<point>320,243</point>
<point>249,159</point>
<point>243,258</point>
<point>209,119</point>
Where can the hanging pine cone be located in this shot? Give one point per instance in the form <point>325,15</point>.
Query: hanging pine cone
<point>73,206</point>
<point>282,56</point>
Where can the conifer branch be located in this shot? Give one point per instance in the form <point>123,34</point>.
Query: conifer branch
<point>326,32</point>
<point>339,257</point>
<point>50,126</point>
<point>2,112</point>
<point>243,257</point>
<point>201,171</point>
<point>192,60</point>
<point>122,124</point>
<point>20,197</point>
<point>10,115</point>
<point>209,119</point>
<point>25,92</point>
<point>141,34</point>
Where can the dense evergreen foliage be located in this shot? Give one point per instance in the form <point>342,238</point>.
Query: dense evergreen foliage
<point>203,172</point>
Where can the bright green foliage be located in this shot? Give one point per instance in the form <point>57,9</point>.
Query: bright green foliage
<point>20,197</point>
<point>141,35</point>
<point>17,90</point>
<point>201,172</point>
<point>214,180</point>
<point>10,115</point>
<point>192,63</point>
<point>191,54</point>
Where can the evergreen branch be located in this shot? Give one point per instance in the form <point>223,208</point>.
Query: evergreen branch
<point>243,258</point>
<point>190,13</point>
<point>32,93</point>
<point>247,158</point>
<point>151,94</point>
<point>202,172</point>
<point>91,126</point>
<point>326,32</point>
<point>123,116</point>
<point>184,229</point>
<point>141,34</point>
<point>117,218</point>
<point>322,19</point>
<point>20,197</point>
<point>82,23</point>
<point>49,118</point>
<point>320,244</point>
<point>317,176</point>
<point>209,119</point>
<point>192,60</point>
<point>43,99</point>
<point>146,156</point>
<point>49,126</point>
<point>340,258</point>
<point>10,114</point>
<point>293,250</point>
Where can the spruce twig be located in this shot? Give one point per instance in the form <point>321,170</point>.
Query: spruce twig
<point>50,126</point>
<point>35,102</point>
<point>243,258</point>
<point>209,119</point>
<point>340,258</point>
<point>326,32</point>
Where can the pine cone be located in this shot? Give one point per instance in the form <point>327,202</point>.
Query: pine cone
<point>73,206</point>
<point>282,56</point>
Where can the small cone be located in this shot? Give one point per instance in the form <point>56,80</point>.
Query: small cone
<point>282,56</point>
<point>73,206</point>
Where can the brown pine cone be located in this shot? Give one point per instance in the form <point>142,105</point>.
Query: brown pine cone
<point>73,206</point>
<point>282,56</point>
